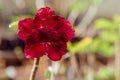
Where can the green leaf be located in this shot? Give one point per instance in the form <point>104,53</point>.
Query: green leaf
<point>104,24</point>
<point>110,36</point>
<point>106,50</point>
<point>79,46</point>
<point>14,26</point>
<point>105,74</point>
<point>101,47</point>
<point>17,18</point>
<point>47,75</point>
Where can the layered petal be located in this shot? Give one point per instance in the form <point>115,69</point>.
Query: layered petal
<point>33,37</point>
<point>41,16</point>
<point>43,13</point>
<point>24,28</point>
<point>61,26</point>
<point>35,50</point>
<point>68,30</point>
<point>56,50</point>
<point>53,22</point>
<point>65,29</point>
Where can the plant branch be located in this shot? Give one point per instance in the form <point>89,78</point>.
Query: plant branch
<point>87,19</point>
<point>34,69</point>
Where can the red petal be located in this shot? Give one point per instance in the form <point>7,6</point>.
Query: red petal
<point>56,50</point>
<point>52,22</point>
<point>41,17</point>
<point>35,51</point>
<point>43,13</point>
<point>65,29</point>
<point>69,31</point>
<point>62,26</point>
<point>24,27</point>
<point>22,35</point>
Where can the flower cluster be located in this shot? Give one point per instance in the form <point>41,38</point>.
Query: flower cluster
<point>45,34</point>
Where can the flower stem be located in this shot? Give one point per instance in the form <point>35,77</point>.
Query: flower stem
<point>34,69</point>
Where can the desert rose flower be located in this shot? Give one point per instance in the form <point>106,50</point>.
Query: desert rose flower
<point>45,34</point>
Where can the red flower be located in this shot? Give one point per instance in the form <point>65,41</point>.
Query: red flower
<point>47,34</point>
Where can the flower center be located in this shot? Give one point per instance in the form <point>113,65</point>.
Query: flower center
<point>46,35</point>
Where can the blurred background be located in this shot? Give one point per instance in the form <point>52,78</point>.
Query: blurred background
<point>93,54</point>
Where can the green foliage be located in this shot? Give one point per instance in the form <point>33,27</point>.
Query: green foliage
<point>47,75</point>
<point>14,26</point>
<point>16,18</point>
<point>103,43</point>
<point>109,30</point>
<point>89,45</point>
<point>109,36</point>
<point>116,19</point>
<point>105,74</point>
<point>102,47</point>
<point>79,46</point>
<point>104,24</point>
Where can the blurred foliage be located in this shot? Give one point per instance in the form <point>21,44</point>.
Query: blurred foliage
<point>19,52</point>
<point>105,73</point>
<point>104,24</point>
<point>14,26</point>
<point>79,46</point>
<point>47,75</point>
<point>97,2</point>
<point>16,18</point>
<point>78,6</point>
<point>103,43</point>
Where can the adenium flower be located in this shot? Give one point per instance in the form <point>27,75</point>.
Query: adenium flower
<point>45,34</point>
